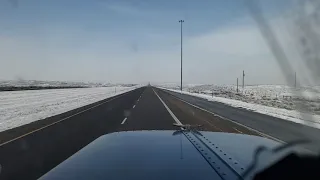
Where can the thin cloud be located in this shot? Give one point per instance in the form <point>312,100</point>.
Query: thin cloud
<point>132,9</point>
<point>123,8</point>
<point>14,3</point>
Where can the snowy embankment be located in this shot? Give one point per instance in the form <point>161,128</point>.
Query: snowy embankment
<point>302,99</point>
<point>22,107</point>
<point>290,115</point>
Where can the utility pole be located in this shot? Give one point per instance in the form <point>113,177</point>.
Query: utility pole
<point>181,21</point>
<point>237,86</point>
<point>243,79</point>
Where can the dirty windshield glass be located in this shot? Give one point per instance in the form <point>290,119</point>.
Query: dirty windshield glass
<point>72,71</point>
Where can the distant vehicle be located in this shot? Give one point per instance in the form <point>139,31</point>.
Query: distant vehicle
<point>182,154</point>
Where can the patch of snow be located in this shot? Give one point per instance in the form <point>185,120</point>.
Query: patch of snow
<point>22,107</point>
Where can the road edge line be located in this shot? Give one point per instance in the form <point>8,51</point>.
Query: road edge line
<point>170,112</point>
<point>254,130</point>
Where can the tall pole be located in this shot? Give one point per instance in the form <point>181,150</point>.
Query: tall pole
<point>181,21</point>
<point>243,79</point>
<point>237,86</point>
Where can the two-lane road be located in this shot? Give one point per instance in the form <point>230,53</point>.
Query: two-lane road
<point>29,151</point>
<point>271,127</point>
<point>148,114</point>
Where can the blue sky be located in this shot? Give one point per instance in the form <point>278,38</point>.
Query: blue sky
<point>119,16</point>
<point>132,40</point>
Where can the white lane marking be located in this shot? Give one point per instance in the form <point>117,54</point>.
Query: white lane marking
<point>170,112</point>
<point>237,130</point>
<point>124,121</point>
<point>59,121</point>
<point>134,106</point>
<point>180,122</point>
<point>260,133</point>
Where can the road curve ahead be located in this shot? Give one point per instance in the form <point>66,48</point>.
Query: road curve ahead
<point>29,151</point>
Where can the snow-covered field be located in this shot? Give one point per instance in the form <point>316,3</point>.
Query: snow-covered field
<point>22,107</point>
<point>27,83</point>
<point>303,99</point>
<point>298,105</point>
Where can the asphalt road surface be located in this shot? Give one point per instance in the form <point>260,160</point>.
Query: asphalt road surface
<point>267,126</point>
<point>29,151</point>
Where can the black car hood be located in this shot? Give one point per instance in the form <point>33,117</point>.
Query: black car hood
<point>162,155</point>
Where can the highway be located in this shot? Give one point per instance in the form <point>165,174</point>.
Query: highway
<point>267,126</point>
<point>31,150</point>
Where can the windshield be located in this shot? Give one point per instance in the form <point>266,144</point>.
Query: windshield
<point>72,71</point>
